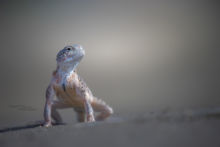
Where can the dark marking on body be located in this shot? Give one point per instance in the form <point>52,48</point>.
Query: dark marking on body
<point>64,87</point>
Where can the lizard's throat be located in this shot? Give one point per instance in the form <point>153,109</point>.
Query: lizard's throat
<point>67,67</point>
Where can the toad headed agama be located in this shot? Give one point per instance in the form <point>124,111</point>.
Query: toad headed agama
<point>67,90</point>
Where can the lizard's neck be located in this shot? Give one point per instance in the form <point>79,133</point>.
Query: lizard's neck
<point>67,68</point>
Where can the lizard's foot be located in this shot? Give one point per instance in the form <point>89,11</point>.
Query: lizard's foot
<point>47,124</point>
<point>90,118</point>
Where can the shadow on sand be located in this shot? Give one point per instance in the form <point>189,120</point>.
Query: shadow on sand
<point>24,127</point>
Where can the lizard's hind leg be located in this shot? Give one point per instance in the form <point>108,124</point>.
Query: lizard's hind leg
<point>103,109</point>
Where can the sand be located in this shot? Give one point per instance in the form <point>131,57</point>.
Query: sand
<point>191,128</point>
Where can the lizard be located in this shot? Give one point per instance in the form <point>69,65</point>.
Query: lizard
<point>68,90</point>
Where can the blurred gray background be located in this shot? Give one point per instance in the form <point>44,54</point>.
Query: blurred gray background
<point>140,55</point>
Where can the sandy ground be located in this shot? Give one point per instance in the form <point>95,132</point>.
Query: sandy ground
<point>189,128</point>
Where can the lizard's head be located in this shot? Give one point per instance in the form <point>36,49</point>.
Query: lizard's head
<point>70,55</point>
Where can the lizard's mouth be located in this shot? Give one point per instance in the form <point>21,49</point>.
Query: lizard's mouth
<point>61,56</point>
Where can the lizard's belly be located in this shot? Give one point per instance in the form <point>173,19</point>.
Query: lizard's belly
<point>68,95</point>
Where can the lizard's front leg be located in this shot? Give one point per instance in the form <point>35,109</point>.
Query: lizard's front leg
<point>47,114</point>
<point>89,111</point>
<point>85,96</point>
<point>48,107</point>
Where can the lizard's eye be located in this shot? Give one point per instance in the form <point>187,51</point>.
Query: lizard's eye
<point>68,49</point>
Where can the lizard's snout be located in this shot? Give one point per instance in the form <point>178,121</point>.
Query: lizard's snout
<point>80,49</point>
<point>83,51</point>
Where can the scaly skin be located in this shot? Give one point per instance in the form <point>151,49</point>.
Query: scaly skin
<point>67,89</point>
